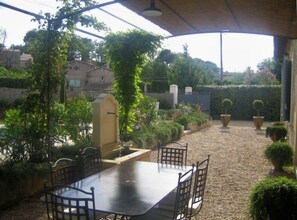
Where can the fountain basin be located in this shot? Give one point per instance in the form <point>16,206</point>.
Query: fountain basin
<point>118,156</point>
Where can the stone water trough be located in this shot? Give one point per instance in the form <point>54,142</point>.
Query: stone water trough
<point>106,134</point>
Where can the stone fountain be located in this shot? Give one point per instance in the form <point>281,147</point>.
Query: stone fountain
<point>106,133</point>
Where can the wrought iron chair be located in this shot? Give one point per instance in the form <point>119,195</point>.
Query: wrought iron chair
<point>197,196</point>
<point>180,208</point>
<point>173,153</point>
<point>81,206</point>
<point>196,201</point>
<point>91,161</point>
<point>63,171</point>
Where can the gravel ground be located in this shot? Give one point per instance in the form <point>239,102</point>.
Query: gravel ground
<point>236,164</point>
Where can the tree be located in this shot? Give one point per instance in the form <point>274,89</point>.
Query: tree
<point>186,71</point>
<point>262,77</point>
<point>48,46</point>
<point>127,53</point>
<point>273,65</point>
<point>155,72</point>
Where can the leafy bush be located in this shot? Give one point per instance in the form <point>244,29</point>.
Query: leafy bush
<point>78,119</point>
<point>197,118</point>
<point>148,136</point>
<point>274,199</point>
<point>279,154</point>
<point>15,78</point>
<point>277,133</point>
<point>146,113</point>
<point>20,180</point>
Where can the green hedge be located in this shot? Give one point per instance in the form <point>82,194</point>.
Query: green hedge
<point>242,98</point>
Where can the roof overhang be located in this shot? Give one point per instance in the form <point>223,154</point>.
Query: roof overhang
<point>183,17</point>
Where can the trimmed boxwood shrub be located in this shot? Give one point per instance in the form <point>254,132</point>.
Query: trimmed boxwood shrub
<point>276,198</point>
<point>227,104</point>
<point>279,154</point>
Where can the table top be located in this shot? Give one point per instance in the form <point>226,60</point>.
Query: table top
<point>131,188</point>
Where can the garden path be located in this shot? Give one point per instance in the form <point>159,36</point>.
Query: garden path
<point>236,164</point>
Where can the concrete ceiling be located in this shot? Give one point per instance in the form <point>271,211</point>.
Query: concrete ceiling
<point>182,17</point>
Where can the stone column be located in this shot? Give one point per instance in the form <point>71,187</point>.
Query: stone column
<point>174,90</point>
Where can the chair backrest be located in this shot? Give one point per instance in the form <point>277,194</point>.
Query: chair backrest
<point>63,171</point>
<point>199,186</point>
<point>174,153</point>
<point>91,161</point>
<point>80,206</point>
<point>183,195</point>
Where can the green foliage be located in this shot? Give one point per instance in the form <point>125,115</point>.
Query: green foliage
<point>145,113</point>
<point>20,180</point>
<point>274,198</point>
<point>242,97</point>
<point>48,46</point>
<point>278,131</point>
<point>186,71</point>
<point>279,154</point>
<point>258,105</point>
<point>22,138</point>
<point>262,77</point>
<point>127,52</point>
<point>79,117</point>
<point>14,78</point>
<point>273,65</point>
<point>227,104</point>
<point>148,136</point>
<point>197,118</point>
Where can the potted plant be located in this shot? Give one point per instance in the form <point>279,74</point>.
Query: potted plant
<point>279,154</point>
<point>277,131</point>
<point>273,198</point>
<point>258,120</point>
<point>225,118</point>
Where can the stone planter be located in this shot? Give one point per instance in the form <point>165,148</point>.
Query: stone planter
<point>258,121</point>
<point>225,119</point>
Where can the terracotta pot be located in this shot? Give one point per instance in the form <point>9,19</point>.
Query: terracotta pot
<point>258,121</point>
<point>225,119</point>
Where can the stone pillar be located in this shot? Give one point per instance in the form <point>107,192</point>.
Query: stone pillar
<point>188,90</point>
<point>105,123</point>
<point>174,90</point>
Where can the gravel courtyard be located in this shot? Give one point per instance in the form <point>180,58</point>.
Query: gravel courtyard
<point>236,164</point>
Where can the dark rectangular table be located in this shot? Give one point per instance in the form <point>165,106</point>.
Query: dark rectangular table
<point>131,188</point>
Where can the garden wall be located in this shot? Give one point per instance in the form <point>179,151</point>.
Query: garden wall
<point>242,97</point>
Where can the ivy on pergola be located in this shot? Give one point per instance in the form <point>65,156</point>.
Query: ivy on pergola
<point>127,53</point>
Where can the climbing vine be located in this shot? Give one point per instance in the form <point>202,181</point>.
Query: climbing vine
<point>127,53</point>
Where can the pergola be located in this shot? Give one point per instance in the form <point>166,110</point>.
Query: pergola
<point>181,17</point>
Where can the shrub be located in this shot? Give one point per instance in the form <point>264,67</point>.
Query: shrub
<point>227,104</point>
<point>279,154</point>
<point>197,118</point>
<point>258,105</point>
<point>146,137</point>
<point>274,198</point>
<point>276,133</point>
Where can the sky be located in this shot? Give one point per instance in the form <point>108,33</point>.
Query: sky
<point>239,50</point>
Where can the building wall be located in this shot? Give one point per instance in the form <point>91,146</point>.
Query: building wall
<point>10,58</point>
<point>86,78</point>
<point>292,51</point>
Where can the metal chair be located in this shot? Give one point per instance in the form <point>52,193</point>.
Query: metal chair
<point>173,153</point>
<point>196,201</point>
<point>197,196</point>
<point>62,207</point>
<point>180,208</point>
<point>91,160</point>
<point>63,171</point>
